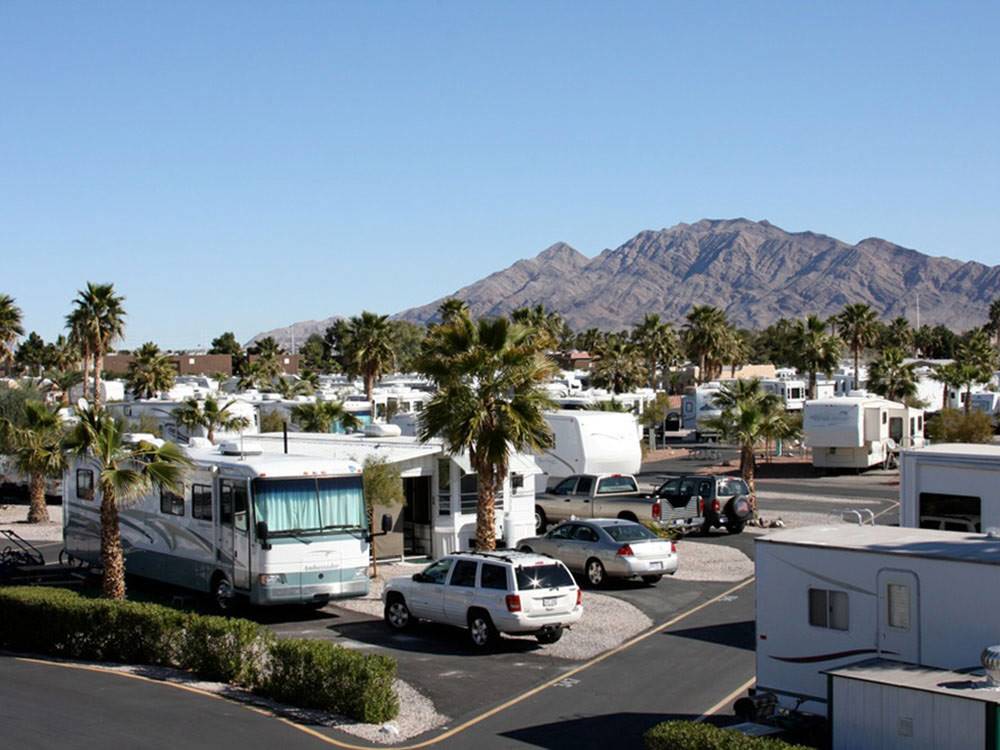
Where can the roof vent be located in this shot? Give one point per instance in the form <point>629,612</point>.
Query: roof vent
<point>991,663</point>
<point>199,442</point>
<point>381,429</point>
<point>233,448</point>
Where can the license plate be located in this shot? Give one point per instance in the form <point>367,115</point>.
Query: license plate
<point>549,601</point>
<point>656,565</point>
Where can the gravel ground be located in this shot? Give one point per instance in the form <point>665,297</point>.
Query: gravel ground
<point>793,519</point>
<point>15,517</point>
<point>606,621</point>
<point>416,713</point>
<point>699,561</point>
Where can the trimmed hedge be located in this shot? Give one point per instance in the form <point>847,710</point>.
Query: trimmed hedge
<point>309,674</point>
<point>691,735</point>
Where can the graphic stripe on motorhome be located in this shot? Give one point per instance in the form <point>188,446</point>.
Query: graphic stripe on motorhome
<point>168,534</point>
<point>827,657</point>
<point>826,579</point>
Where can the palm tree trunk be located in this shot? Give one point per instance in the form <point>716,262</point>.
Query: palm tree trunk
<point>857,364</point>
<point>747,471</point>
<point>486,536</point>
<point>371,530</point>
<point>812,384</point>
<point>85,363</point>
<point>39,511</point>
<point>112,558</point>
<point>968,397</point>
<point>98,364</point>
<point>701,369</point>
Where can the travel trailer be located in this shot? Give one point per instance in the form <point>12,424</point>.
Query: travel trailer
<point>698,405</point>
<point>952,486</point>
<point>987,402</point>
<point>859,431</point>
<point>790,390</point>
<point>274,529</point>
<point>588,442</point>
<point>829,596</point>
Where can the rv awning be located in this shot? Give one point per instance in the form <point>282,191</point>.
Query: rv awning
<point>520,463</point>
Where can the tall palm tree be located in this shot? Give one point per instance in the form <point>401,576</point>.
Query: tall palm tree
<point>125,472</point>
<point>589,340</point>
<point>705,338</point>
<point>63,355</point>
<point>489,402</point>
<point>547,327</point>
<point>994,320</point>
<point>10,328</point>
<point>368,349</point>
<point>267,366</point>
<point>619,366</point>
<point>452,308</point>
<point>99,319</point>
<point>899,335</point>
<point>858,326</point>
<point>749,415</point>
<point>193,414</point>
<point>657,342</point>
<point>63,382</point>
<point>950,375</point>
<point>76,325</point>
<point>150,371</point>
<point>814,350</point>
<point>890,378</point>
<point>977,359</point>
<point>320,416</point>
<point>37,452</point>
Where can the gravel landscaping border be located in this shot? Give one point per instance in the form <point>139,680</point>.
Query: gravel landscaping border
<point>15,518</point>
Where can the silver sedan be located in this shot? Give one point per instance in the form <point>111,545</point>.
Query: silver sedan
<point>603,548</point>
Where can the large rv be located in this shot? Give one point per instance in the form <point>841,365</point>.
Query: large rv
<point>830,596</point>
<point>952,486</point>
<point>588,442</point>
<point>859,431</point>
<point>792,391</point>
<point>274,529</point>
<point>698,405</point>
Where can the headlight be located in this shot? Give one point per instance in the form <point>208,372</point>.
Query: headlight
<point>269,579</point>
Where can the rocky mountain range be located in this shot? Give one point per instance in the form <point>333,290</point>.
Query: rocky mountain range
<point>293,336</point>
<point>754,270</point>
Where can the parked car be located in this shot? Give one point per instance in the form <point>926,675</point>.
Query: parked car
<point>723,501</point>
<point>605,548</point>
<point>488,593</point>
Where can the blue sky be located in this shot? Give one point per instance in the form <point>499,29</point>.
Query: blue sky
<point>245,165</point>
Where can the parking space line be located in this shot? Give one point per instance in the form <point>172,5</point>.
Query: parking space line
<point>728,699</point>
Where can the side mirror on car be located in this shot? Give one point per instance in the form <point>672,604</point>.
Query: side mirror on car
<point>418,577</point>
<point>262,531</point>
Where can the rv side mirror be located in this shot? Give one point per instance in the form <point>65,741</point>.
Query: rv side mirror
<point>386,523</point>
<point>262,531</point>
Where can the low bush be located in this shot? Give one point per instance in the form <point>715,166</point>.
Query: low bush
<point>317,674</point>
<point>955,426</point>
<point>691,735</point>
<point>309,674</point>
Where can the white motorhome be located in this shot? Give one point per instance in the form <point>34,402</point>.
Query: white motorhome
<point>790,390</point>
<point>698,405</point>
<point>952,486</point>
<point>829,596</point>
<point>589,442</point>
<point>859,431</point>
<point>275,529</point>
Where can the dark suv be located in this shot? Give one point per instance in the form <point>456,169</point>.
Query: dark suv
<point>723,501</point>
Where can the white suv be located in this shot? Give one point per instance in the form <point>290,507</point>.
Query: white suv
<point>489,593</point>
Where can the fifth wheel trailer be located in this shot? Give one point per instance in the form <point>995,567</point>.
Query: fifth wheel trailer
<point>859,431</point>
<point>952,486</point>
<point>830,596</point>
<point>589,442</point>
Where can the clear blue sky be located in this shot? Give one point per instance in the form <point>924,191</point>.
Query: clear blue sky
<point>245,165</point>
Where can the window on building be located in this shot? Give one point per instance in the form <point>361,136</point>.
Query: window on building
<point>828,609</point>
<point>470,493</point>
<point>85,484</point>
<point>898,602</point>
<point>493,577</point>
<point>464,574</point>
<point>444,487</point>
<point>171,503</point>
<point>201,502</point>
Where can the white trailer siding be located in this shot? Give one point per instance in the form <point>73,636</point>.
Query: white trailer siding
<point>589,442</point>
<point>859,431</point>
<point>954,480</point>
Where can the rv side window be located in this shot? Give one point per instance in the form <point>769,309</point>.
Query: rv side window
<point>85,484</point>
<point>240,507</point>
<point>470,493</point>
<point>226,503</point>
<point>171,503</point>
<point>828,609</point>
<point>201,502</point>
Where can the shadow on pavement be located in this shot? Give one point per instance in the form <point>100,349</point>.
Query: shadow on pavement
<point>740,635</point>
<point>428,638</point>
<point>623,730</point>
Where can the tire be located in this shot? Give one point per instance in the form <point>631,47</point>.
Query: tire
<point>482,634</point>
<point>735,527</point>
<point>397,614</point>
<point>597,576</point>
<point>549,636</point>
<point>223,594</point>
<point>706,527</point>
<point>652,580</point>
<point>540,520</point>
<point>626,516</point>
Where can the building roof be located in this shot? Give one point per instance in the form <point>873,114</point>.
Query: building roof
<point>958,449</point>
<point>893,540</point>
<point>968,684</point>
<point>274,464</point>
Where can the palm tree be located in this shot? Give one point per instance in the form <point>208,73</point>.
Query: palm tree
<point>738,349</point>
<point>657,342</point>
<point>10,328</point>
<point>452,308</point>
<point>489,402</point>
<point>76,324</point>
<point>590,340</point>
<point>749,415</point>
<point>890,378</point>
<point>36,449</point>
<point>618,366</point>
<point>125,472</point>
<point>99,319</point>
<point>814,350</point>
<point>994,320</point>
<point>291,387</point>
<point>193,414</point>
<point>368,350</point>
<point>858,326</point>
<point>63,382</point>
<point>267,366</point>
<point>899,335</point>
<point>547,327</point>
<point>320,416</point>
<point>977,360</point>
<point>950,375</point>
<point>150,371</point>
<point>63,355</point>
<point>705,338</point>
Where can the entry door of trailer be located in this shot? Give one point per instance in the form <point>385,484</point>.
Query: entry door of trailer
<point>234,530</point>
<point>899,616</point>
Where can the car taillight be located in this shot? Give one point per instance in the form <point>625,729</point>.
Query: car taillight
<point>673,547</point>
<point>624,551</point>
<point>657,511</point>
<point>513,603</point>
<point>715,506</point>
<point>579,597</point>
<point>701,506</point>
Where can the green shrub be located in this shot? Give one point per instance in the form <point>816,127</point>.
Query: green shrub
<point>226,650</point>
<point>690,735</point>
<point>955,426</point>
<point>318,674</point>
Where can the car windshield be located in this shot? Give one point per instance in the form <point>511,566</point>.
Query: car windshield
<point>302,506</point>
<point>629,532</point>
<point>543,577</point>
<point>730,487</point>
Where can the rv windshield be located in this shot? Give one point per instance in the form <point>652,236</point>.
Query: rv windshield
<point>309,506</point>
